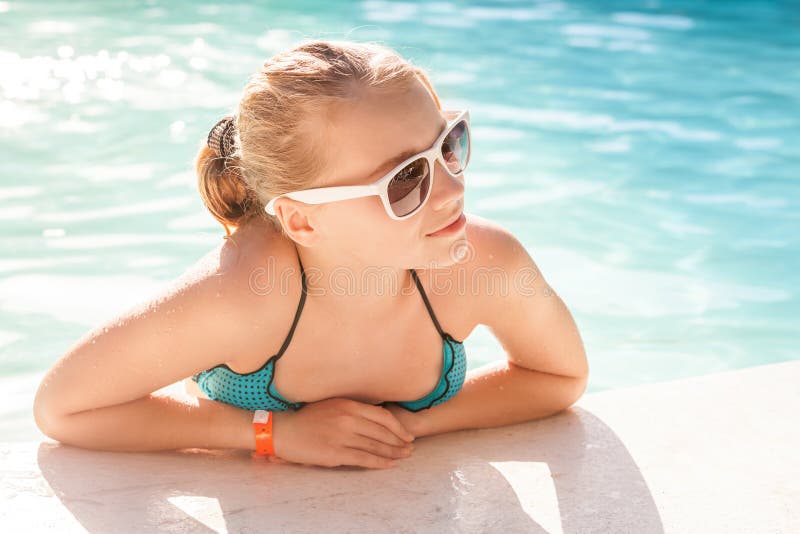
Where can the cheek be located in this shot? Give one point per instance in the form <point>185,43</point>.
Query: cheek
<point>387,234</point>
<point>352,218</point>
<point>371,230</point>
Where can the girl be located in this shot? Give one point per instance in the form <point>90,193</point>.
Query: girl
<point>352,263</point>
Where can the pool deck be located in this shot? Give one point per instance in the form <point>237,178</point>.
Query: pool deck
<point>716,453</point>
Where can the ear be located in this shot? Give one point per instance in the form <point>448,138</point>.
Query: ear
<point>297,221</point>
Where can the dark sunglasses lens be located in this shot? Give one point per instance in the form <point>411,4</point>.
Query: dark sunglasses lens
<point>409,187</point>
<point>456,147</point>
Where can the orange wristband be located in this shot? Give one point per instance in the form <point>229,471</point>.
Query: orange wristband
<point>262,426</point>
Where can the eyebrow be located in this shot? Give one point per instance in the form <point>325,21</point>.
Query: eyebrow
<point>396,160</point>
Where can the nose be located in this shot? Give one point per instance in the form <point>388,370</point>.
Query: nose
<point>447,189</point>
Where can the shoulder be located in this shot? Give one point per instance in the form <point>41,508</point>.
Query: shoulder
<point>256,266</point>
<point>491,268</point>
<point>197,321</point>
<point>240,277</point>
<point>491,244</point>
<point>486,244</point>
<point>501,267</point>
<point>492,251</point>
<point>247,287</point>
<point>514,300</point>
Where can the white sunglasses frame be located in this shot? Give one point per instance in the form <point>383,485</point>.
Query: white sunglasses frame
<point>321,195</point>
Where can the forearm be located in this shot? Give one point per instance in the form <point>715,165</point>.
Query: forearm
<point>156,423</point>
<point>498,394</point>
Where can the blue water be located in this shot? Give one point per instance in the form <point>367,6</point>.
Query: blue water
<point>644,152</point>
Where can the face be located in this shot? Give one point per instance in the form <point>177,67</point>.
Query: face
<point>366,140</point>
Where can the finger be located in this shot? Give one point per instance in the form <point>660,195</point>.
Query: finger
<point>371,429</point>
<point>364,459</point>
<point>357,441</point>
<point>386,418</point>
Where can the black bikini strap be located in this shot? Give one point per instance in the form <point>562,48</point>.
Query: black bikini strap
<point>299,306</point>
<point>427,303</point>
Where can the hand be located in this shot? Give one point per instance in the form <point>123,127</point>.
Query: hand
<point>340,431</point>
<point>406,417</point>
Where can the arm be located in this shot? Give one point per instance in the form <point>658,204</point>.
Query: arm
<point>497,394</point>
<point>545,370</point>
<point>99,394</point>
<point>155,423</point>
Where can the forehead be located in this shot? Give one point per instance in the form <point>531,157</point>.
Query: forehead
<point>370,136</point>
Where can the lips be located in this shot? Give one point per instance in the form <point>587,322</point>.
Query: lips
<point>451,221</point>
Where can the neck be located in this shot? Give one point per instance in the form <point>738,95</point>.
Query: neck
<point>349,284</point>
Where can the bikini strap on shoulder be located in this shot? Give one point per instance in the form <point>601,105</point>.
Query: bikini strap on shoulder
<point>427,302</point>
<point>303,293</point>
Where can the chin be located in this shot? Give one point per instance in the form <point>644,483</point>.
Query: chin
<point>454,251</point>
<point>443,264</point>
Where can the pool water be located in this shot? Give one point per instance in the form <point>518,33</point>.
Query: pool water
<point>644,152</point>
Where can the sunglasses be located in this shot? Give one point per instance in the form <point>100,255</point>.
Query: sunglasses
<point>406,188</point>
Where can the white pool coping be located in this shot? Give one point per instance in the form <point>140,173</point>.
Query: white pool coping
<point>716,453</point>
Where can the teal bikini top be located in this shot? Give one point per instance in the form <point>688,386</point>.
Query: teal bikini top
<point>256,390</point>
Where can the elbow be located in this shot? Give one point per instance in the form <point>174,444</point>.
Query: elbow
<point>579,381</point>
<point>580,387</point>
<point>43,420</point>
<point>54,426</point>
<point>574,389</point>
<point>47,419</point>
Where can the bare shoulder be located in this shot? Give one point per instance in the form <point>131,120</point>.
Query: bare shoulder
<point>491,244</point>
<point>511,296</point>
<point>255,275</point>
<point>207,315</point>
<point>489,263</point>
<point>488,247</point>
<point>500,259</point>
<point>249,270</point>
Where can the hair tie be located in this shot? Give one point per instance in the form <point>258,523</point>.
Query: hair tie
<point>221,137</point>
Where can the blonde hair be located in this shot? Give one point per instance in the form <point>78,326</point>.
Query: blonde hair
<point>281,123</point>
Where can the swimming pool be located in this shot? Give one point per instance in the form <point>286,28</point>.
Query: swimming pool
<point>644,155</point>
